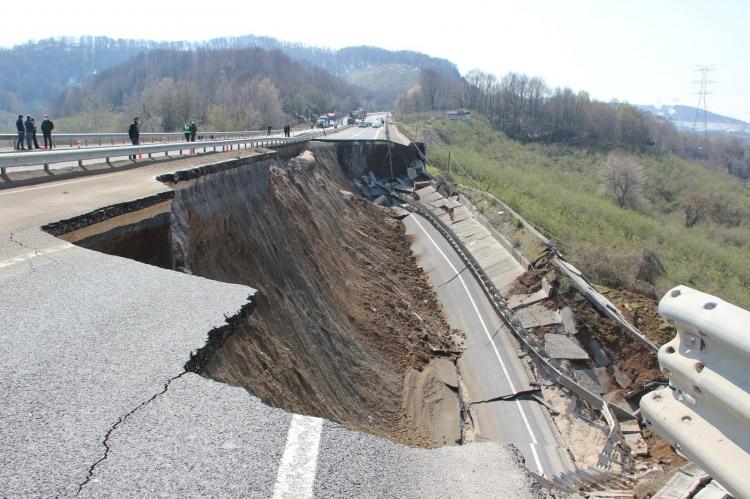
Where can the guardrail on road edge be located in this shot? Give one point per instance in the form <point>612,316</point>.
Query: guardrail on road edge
<point>615,439</point>
<point>45,158</point>
<point>705,410</point>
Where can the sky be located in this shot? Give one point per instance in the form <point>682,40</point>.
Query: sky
<point>639,51</point>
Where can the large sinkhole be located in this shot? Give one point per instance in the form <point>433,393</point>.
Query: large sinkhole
<point>344,324</point>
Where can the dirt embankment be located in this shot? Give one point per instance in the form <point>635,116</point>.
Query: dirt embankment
<point>342,313</point>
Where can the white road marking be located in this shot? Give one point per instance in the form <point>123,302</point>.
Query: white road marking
<point>296,475</point>
<point>22,258</point>
<point>494,347</point>
<point>56,184</point>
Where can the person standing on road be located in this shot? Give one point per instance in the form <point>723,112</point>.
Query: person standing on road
<point>28,126</point>
<point>193,131</point>
<point>186,131</point>
<point>21,133</point>
<point>33,134</point>
<point>135,134</point>
<point>269,130</point>
<point>47,127</point>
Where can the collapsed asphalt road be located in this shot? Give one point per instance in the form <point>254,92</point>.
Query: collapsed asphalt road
<point>490,366</point>
<point>95,398</point>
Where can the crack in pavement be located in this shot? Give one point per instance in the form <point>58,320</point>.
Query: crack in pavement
<point>37,252</point>
<point>455,276</point>
<point>120,420</point>
<point>16,241</point>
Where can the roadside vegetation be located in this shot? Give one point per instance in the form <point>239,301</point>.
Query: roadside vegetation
<point>678,222</point>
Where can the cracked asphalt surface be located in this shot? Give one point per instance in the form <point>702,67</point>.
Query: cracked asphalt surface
<point>95,400</point>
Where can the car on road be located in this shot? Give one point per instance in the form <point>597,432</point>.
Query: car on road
<point>364,124</point>
<point>377,123</point>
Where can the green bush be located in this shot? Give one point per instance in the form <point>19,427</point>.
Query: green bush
<point>558,189</point>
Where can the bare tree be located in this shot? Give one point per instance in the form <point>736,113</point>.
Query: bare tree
<point>623,178</point>
<point>696,206</point>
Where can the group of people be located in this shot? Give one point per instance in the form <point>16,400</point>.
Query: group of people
<point>190,130</point>
<point>287,131</point>
<point>27,133</point>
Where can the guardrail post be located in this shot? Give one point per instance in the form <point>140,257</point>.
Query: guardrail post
<point>46,167</point>
<point>2,171</point>
<point>108,161</point>
<point>80,163</point>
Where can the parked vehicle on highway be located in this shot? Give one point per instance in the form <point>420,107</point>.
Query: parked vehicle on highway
<point>363,124</point>
<point>377,123</point>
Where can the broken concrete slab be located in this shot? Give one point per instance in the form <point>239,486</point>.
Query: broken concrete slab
<point>568,320</point>
<point>456,215</point>
<point>600,356</point>
<point>537,315</point>
<point>560,346</point>
<point>470,229</point>
<point>452,202</point>
<point>524,300</point>
<point>630,427</point>
<point>621,378</point>
<point>595,380</point>
<point>411,172</point>
<point>636,443</point>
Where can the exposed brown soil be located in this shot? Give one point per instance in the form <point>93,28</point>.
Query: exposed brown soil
<point>634,359</point>
<point>343,311</point>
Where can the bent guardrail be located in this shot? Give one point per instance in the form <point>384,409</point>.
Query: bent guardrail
<point>615,441</point>
<point>46,158</point>
<point>705,410</point>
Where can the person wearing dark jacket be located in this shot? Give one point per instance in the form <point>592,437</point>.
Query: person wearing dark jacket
<point>193,131</point>
<point>135,134</point>
<point>29,131</point>
<point>21,133</point>
<point>33,134</point>
<point>47,127</point>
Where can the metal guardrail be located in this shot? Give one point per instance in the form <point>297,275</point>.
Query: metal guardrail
<point>112,138</point>
<point>705,411</point>
<point>615,440</point>
<point>45,158</point>
<point>576,277</point>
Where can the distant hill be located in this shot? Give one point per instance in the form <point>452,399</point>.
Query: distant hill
<point>683,117</point>
<point>35,73</point>
<point>226,89</point>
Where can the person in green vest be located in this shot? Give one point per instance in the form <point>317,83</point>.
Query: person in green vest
<point>186,131</point>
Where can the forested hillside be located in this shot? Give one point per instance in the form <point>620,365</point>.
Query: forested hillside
<point>527,109</point>
<point>221,89</point>
<point>35,73</point>
<point>693,222</point>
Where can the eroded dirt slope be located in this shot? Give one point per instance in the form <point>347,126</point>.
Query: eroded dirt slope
<point>342,310</point>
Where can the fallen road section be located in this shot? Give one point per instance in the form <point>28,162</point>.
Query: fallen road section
<point>489,367</point>
<point>98,395</point>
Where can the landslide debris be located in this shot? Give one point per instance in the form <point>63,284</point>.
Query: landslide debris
<point>342,314</point>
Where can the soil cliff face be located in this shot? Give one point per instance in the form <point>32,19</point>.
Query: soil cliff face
<point>342,310</point>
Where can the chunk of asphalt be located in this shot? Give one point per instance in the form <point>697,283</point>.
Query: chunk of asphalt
<point>568,320</point>
<point>621,378</point>
<point>560,346</point>
<point>600,356</point>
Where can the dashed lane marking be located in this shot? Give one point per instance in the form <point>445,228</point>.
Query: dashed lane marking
<point>296,475</point>
<point>534,442</point>
<point>22,258</point>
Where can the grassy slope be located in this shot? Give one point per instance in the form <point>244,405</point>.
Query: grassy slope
<point>558,189</point>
